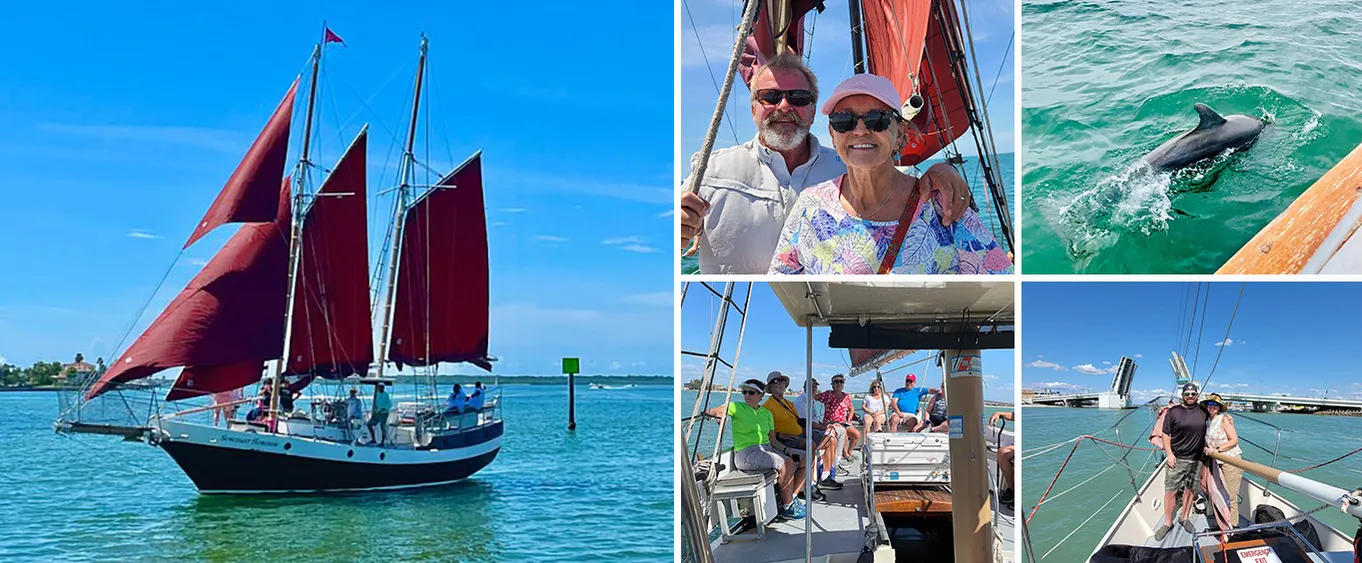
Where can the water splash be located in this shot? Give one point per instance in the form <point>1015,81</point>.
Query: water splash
<point>1135,200</point>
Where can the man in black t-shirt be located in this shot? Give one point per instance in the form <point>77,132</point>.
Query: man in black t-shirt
<point>1185,428</point>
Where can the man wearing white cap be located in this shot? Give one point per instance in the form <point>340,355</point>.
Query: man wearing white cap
<point>735,219</point>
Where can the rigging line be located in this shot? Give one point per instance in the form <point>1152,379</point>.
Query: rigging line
<point>698,174</point>
<point>1182,311</point>
<point>1187,342</point>
<point>1227,335</point>
<point>1002,63</point>
<point>1085,481</point>
<point>1197,357</point>
<point>1080,526</point>
<point>712,78</point>
<point>118,348</point>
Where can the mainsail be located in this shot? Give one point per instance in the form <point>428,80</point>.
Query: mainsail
<point>869,359</point>
<point>440,306</point>
<point>250,194</point>
<point>330,328</point>
<point>226,322</point>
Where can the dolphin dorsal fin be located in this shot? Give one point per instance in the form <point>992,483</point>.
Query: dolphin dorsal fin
<point>1209,118</point>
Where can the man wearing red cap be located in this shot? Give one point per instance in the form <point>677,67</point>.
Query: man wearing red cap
<point>904,403</point>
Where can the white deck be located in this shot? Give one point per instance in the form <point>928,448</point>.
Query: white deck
<point>843,527</point>
<point>1144,514</point>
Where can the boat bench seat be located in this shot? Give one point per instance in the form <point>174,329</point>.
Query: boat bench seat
<point>757,487</point>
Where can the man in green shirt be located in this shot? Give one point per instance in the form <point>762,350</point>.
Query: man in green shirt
<point>754,434</point>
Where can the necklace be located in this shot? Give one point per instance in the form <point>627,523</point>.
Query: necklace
<point>888,196</point>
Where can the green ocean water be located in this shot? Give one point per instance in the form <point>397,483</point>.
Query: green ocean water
<point>1106,81</point>
<point>603,493</point>
<point>1304,437</point>
<point>975,177</point>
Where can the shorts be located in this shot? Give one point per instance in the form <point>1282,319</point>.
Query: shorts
<point>937,420</point>
<point>757,458</point>
<point>1183,475</point>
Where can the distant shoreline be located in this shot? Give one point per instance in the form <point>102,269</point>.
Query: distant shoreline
<point>650,380</point>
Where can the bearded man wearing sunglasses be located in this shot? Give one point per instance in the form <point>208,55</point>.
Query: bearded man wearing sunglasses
<point>735,219</point>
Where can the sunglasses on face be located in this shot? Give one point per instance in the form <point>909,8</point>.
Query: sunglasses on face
<point>797,98</point>
<point>876,120</point>
<point>750,392</point>
<point>837,382</point>
<point>780,380</point>
<point>1189,394</point>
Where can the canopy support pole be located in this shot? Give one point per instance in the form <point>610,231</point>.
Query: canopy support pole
<point>971,521</point>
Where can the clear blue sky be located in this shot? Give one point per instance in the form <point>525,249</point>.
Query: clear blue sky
<point>122,124</point>
<point>1298,338</point>
<point>773,342</point>
<point>714,27</point>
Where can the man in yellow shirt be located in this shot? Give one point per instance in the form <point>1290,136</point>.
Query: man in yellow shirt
<point>787,416</point>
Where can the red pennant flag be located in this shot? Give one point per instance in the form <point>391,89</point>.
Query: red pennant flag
<point>331,37</point>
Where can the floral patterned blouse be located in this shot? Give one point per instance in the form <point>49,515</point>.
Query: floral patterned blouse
<point>820,237</point>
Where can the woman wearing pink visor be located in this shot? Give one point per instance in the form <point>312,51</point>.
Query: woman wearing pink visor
<point>875,219</point>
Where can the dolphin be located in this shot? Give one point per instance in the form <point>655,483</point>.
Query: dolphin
<point>1214,134</point>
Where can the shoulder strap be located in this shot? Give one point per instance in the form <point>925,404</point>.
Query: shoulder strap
<point>781,401</point>
<point>906,220</point>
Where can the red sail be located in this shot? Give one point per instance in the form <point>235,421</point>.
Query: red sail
<point>196,381</point>
<point>866,359</point>
<point>250,194</point>
<point>915,38</point>
<point>761,45</point>
<point>331,331</point>
<point>231,313</point>
<point>440,310</point>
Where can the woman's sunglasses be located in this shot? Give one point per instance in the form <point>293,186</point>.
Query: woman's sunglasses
<point>797,98</point>
<point>750,392</point>
<point>876,120</point>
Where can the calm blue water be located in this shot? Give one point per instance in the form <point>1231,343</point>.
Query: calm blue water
<point>974,175</point>
<point>601,494</point>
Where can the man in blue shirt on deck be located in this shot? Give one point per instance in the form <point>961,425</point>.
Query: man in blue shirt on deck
<point>905,403</point>
<point>477,398</point>
<point>378,417</point>
<point>456,402</point>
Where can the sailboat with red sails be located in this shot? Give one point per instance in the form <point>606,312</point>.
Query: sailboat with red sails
<point>288,303</point>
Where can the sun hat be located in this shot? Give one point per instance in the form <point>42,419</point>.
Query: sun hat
<point>1214,398</point>
<point>867,84</point>
<point>773,376</point>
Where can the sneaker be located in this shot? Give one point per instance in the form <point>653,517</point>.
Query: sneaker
<point>1187,525</point>
<point>794,512</point>
<point>1006,497</point>
<point>818,496</point>
<point>829,483</point>
<point>1161,532</point>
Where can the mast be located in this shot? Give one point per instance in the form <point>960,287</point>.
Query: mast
<point>400,209</point>
<point>857,53</point>
<point>299,188</point>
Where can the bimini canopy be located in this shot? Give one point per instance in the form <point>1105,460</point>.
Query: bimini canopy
<point>882,316</point>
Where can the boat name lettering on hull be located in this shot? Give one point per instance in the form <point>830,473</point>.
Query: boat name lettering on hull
<point>248,441</point>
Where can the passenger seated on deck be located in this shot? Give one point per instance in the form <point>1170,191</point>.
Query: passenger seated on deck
<point>837,412</point>
<point>1006,455</point>
<point>477,398</point>
<point>457,402</point>
<point>791,420</point>
<point>873,407</point>
<point>354,409</point>
<point>936,415</point>
<point>754,449</point>
<point>262,403</point>
<point>903,407</point>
